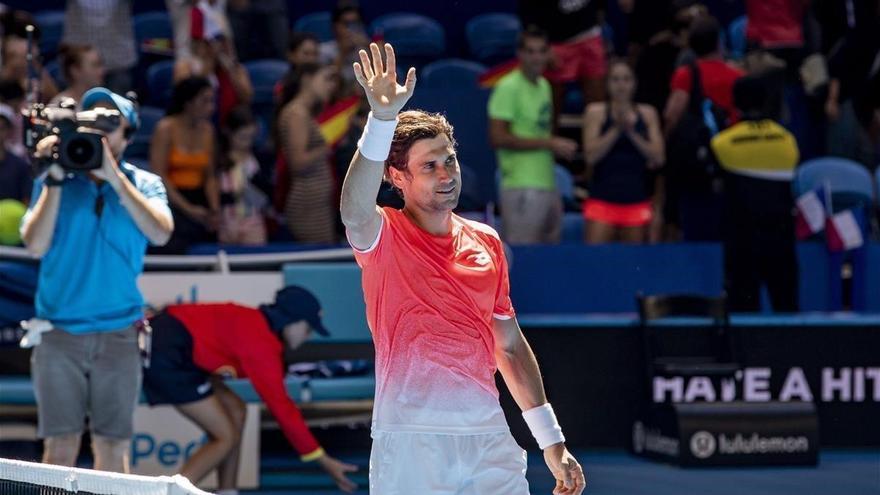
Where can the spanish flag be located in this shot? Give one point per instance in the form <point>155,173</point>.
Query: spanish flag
<point>335,120</point>
<point>494,74</point>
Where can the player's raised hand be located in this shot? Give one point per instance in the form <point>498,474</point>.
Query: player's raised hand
<point>569,475</point>
<point>379,81</point>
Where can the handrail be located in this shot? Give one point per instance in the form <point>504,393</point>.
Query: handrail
<point>221,261</point>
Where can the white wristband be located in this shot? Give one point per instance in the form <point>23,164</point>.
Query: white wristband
<point>375,142</point>
<point>545,428</point>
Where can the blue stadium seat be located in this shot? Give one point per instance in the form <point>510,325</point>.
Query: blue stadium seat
<point>492,37</point>
<point>416,38</point>
<point>851,184</point>
<point>318,23</point>
<point>160,82</point>
<point>338,287</point>
<point>877,183</point>
<point>736,37</point>
<point>451,73</point>
<point>572,228</point>
<point>51,24</point>
<point>564,182</point>
<point>264,75</point>
<point>152,25</point>
<point>140,145</point>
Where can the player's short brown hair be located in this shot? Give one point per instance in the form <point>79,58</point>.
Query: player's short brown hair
<point>412,126</point>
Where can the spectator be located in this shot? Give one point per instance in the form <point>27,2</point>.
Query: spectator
<point>758,157</point>
<point>91,231</point>
<point>520,131</point>
<point>622,143</point>
<point>12,94</point>
<point>349,36</point>
<point>15,173</point>
<point>14,67</point>
<point>179,11</point>
<point>107,25</point>
<point>309,207</point>
<point>260,26</point>
<point>850,101</point>
<point>716,76</point>
<point>241,202</point>
<point>303,49</point>
<point>693,201</point>
<point>82,68</point>
<point>575,31</point>
<point>659,39</point>
<point>777,26</point>
<point>251,343</point>
<point>182,153</point>
<point>213,57</point>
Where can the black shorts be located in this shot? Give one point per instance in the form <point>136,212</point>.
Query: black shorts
<point>173,377</point>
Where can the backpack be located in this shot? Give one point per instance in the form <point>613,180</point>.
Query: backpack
<point>692,165</point>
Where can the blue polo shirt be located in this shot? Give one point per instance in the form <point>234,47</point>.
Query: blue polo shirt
<point>88,277</point>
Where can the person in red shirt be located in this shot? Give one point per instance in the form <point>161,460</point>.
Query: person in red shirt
<point>716,75</point>
<point>692,204</point>
<point>776,23</point>
<point>194,345</point>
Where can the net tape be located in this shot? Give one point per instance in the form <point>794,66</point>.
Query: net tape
<point>58,479</point>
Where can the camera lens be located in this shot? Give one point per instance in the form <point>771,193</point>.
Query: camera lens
<point>80,150</point>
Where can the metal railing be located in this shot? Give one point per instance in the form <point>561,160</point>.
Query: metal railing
<point>222,261</point>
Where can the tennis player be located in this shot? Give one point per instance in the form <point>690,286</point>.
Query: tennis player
<point>438,305</point>
<point>194,345</point>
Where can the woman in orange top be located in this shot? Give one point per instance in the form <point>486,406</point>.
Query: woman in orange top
<point>182,153</point>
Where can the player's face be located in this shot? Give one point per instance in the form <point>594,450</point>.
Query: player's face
<point>296,333</point>
<point>433,178</point>
<point>621,82</point>
<point>534,55</point>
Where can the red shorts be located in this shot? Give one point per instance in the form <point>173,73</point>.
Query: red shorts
<point>618,215</point>
<point>583,58</point>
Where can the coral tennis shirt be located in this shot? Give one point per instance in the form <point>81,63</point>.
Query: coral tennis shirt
<point>431,301</point>
<point>230,339</point>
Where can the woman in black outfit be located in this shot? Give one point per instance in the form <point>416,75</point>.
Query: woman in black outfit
<point>622,145</point>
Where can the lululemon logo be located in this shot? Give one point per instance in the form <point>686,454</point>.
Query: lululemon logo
<point>703,444</point>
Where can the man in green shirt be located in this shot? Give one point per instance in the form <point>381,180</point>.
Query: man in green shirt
<point>520,113</point>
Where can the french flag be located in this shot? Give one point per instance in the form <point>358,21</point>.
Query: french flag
<point>811,212</point>
<point>845,230</point>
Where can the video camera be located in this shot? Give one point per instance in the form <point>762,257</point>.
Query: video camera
<point>79,147</point>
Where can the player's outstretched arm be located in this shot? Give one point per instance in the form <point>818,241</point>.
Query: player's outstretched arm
<point>361,185</point>
<point>519,368</point>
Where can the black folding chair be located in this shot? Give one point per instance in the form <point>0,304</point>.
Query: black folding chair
<point>710,354</point>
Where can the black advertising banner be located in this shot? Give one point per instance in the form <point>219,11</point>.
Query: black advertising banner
<point>595,378</point>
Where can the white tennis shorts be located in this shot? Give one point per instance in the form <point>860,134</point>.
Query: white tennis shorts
<point>436,464</point>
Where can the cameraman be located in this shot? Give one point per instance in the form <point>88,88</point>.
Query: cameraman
<point>91,230</point>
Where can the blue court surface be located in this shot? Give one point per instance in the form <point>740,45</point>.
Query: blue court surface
<point>840,472</point>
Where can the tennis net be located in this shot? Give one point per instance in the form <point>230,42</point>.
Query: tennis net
<point>28,478</point>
